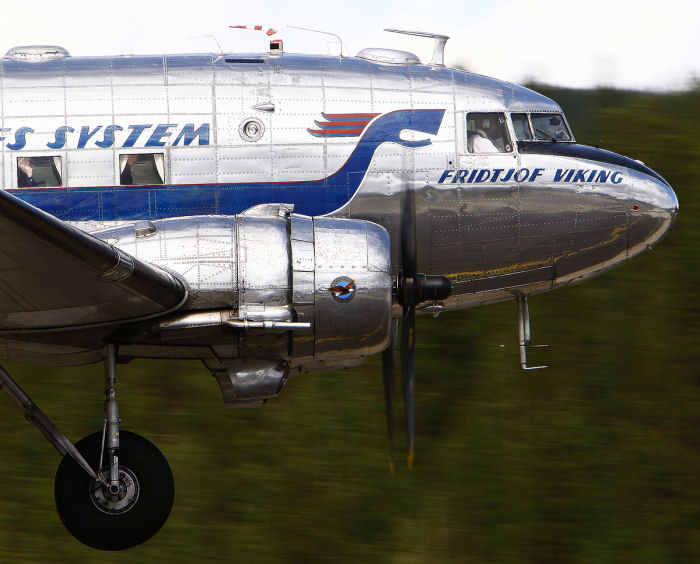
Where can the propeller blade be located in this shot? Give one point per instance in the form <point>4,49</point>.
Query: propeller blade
<point>412,289</point>
<point>408,362</point>
<point>409,254</point>
<point>388,374</point>
<point>408,298</point>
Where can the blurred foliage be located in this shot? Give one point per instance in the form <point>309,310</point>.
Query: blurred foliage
<point>596,459</point>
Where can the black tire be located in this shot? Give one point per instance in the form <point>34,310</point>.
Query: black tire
<point>137,521</point>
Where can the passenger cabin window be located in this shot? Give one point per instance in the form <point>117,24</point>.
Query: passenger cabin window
<point>143,168</point>
<point>38,171</point>
<point>521,125</point>
<point>550,127</point>
<point>487,133</point>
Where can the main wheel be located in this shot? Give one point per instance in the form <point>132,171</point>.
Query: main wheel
<point>109,520</point>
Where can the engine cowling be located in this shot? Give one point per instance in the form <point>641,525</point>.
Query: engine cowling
<point>271,291</point>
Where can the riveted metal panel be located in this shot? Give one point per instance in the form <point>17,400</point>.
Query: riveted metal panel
<point>202,250</point>
<point>263,254</point>
<point>135,100</point>
<point>302,256</point>
<point>88,100</point>
<point>359,325</point>
<point>189,99</point>
<point>302,228</point>
<point>303,284</point>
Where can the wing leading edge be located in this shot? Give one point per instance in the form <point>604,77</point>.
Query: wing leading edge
<point>53,275</point>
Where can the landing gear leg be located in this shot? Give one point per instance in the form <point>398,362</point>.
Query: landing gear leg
<point>524,332</point>
<point>110,430</point>
<point>130,496</point>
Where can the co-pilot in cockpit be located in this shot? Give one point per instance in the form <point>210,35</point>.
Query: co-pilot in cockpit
<point>549,127</point>
<point>546,127</point>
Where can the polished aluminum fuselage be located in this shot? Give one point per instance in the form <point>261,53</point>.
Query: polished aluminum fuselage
<point>494,238</point>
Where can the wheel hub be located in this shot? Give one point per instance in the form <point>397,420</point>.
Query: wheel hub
<point>115,500</point>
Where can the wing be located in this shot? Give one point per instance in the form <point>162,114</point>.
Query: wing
<point>53,275</point>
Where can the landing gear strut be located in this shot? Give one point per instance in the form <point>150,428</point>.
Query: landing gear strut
<point>129,496</point>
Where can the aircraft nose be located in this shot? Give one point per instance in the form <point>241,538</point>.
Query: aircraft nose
<point>653,213</point>
<point>673,207</point>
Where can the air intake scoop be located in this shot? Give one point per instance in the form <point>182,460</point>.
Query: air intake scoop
<point>36,53</point>
<point>388,56</point>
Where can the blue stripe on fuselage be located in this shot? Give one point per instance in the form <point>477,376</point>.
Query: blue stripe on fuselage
<point>317,197</point>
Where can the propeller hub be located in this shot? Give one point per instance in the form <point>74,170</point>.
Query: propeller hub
<point>423,288</point>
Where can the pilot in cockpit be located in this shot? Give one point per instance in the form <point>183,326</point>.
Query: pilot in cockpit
<point>480,138</point>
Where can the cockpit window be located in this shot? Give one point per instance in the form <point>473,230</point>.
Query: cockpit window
<point>487,133</point>
<point>521,125</point>
<point>550,127</point>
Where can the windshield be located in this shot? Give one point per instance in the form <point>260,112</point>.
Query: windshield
<point>521,125</point>
<point>550,127</point>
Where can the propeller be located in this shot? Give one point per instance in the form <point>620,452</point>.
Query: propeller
<point>388,375</point>
<point>412,288</point>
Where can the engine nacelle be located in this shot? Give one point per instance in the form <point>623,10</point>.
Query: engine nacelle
<point>270,291</point>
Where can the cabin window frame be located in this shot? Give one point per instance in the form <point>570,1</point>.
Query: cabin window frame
<point>162,170</point>
<point>58,164</point>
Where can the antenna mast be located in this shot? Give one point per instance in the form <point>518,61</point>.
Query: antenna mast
<point>438,51</point>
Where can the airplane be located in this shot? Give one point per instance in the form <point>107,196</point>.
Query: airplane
<point>272,214</point>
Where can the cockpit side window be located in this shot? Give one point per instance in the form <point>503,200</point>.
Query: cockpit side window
<point>550,127</point>
<point>521,125</point>
<point>487,133</point>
